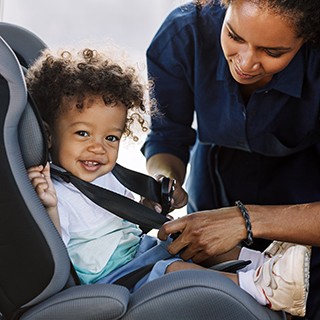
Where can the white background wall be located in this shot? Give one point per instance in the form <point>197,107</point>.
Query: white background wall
<point>131,23</point>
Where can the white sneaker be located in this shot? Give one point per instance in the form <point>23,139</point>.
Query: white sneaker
<point>284,278</point>
<point>277,247</point>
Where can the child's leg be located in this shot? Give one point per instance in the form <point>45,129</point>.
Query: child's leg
<point>257,258</point>
<point>233,254</point>
<point>183,265</point>
<point>281,282</point>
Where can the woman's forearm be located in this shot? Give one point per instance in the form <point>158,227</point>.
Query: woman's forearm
<point>292,223</point>
<point>167,165</point>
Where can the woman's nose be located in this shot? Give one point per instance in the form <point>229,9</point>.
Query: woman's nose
<point>248,61</point>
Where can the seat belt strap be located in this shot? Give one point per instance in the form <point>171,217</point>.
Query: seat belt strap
<point>139,183</point>
<point>120,205</point>
<point>146,186</point>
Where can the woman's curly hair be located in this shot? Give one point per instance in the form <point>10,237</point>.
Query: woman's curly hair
<point>54,77</point>
<point>303,14</point>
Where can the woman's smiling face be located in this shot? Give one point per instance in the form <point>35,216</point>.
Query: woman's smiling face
<point>257,43</point>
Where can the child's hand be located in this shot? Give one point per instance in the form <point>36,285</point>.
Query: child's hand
<point>42,183</point>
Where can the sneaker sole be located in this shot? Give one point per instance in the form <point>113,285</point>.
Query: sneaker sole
<point>299,305</point>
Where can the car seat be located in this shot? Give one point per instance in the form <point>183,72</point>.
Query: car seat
<point>36,277</point>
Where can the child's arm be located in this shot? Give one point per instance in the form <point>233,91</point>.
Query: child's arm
<point>42,183</point>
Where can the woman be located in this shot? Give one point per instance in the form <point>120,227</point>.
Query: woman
<point>250,72</point>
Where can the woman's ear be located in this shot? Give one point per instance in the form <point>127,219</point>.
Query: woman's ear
<point>48,134</point>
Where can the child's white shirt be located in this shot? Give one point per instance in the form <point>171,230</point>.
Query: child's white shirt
<point>92,234</point>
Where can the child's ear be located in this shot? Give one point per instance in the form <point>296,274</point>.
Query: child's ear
<point>48,134</point>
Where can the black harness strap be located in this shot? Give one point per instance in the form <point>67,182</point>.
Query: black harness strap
<point>122,206</point>
<point>130,279</point>
<point>139,183</point>
<point>144,185</point>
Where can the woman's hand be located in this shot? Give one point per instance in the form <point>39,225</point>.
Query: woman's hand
<point>42,183</point>
<point>205,234</point>
<point>167,165</point>
<point>179,198</point>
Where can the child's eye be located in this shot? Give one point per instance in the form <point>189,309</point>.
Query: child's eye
<point>112,138</point>
<point>82,133</point>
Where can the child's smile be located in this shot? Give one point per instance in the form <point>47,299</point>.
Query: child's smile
<point>86,142</point>
<point>91,165</point>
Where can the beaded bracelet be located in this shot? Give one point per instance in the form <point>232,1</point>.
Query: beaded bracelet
<point>246,217</point>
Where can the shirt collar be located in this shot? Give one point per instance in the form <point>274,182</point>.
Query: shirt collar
<point>288,81</point>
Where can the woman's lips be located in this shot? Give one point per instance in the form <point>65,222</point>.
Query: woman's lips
<point>243,75</point>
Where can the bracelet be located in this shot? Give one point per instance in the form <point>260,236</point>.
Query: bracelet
<point>246,217</point>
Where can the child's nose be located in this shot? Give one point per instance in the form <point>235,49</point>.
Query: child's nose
<point>97,147</point>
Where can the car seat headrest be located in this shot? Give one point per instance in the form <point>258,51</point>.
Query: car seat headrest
<point>20,48</point>
<point>32,139</point>
<point>25,44</point>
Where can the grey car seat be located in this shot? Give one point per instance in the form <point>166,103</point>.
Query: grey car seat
<point>36,278</point>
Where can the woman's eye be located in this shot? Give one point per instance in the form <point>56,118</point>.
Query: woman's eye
<point>273,54</point>
<point>234,37</point>
<point>82,133</point>
<point>112,138</point>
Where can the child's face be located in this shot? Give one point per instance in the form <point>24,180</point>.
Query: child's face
<point>86,142</point>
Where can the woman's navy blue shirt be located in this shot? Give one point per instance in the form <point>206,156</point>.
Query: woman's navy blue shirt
<point>266,151</point>
<point>278,125</point>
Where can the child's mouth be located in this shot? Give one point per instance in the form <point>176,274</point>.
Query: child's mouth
<point>91,165</point>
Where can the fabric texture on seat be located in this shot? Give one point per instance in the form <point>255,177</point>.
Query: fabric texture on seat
<point>92,302</point>
<point>201,295</point>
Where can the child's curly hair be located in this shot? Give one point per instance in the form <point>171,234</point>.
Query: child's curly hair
<point>67,74</point>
